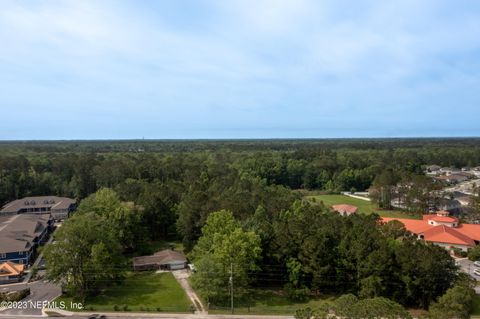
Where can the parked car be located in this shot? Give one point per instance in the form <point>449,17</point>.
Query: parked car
<point>477,263</point>
<point>477,272</point>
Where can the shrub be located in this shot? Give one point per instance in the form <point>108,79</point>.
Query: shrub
<point>457,302</point>
<point>14,295</point>
<point>296,294</point>
<point>474,253</point>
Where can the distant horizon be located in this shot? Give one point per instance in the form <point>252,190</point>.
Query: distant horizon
<point>243,139</point>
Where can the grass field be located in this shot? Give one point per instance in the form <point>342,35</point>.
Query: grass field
<point>140,292</point>
<point>364,207</point>
<point>269,302</point>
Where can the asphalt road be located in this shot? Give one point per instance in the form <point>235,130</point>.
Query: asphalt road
<point>40,291</point>
<point>467,266</point>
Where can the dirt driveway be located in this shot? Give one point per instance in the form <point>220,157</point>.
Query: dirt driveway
<point>181,276</point>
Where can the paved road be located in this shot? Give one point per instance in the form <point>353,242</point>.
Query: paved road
<point>40,291</point>
<point>467,266</point>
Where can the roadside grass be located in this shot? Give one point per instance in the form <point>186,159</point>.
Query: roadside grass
<point>364,207</point>
<point>268,302</point>
<point>143,292</point>
<point>274,302</point>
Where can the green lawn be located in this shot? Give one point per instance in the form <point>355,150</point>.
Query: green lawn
<point>365,207</point>
<point>268,302</point>
<point>144,291</point>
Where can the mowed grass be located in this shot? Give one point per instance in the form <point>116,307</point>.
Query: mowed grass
<point>268,302</point>
<point>364,207</point>
<point>146,291</point>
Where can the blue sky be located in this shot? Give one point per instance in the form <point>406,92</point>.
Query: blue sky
<point>239,69</point>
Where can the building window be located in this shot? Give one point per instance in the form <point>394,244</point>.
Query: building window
<point>3,255</point>
<point>20,253</point>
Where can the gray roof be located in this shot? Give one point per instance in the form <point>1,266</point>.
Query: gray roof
<point>52,202</point>
<point>162,257</point>
<point>18,232</point>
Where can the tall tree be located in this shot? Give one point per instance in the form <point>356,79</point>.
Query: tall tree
<point>81,259</point>
<point>227,252</point>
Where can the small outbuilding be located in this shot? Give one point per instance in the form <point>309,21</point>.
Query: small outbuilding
<point>162,260</point>
<point>345,209</point>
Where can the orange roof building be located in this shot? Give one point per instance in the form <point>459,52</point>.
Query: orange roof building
<point>345,209</point>
<point>10,272</point>
<point>442,230</point>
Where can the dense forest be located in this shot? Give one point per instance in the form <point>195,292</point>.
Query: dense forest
<point>179,182</point>
<point>243,194</point>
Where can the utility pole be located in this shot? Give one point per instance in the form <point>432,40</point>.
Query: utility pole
<point>231,286</point>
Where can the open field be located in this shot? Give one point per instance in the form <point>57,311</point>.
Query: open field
<point>270,302</point>
<point>365,207</point>
<point>140,292</point>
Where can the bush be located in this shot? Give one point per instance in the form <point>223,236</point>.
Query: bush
<point>459,253</point>
<point>474,253</point>
<point>14,295</point>
<point>457,302</point>
<point>297,294</point>
<point>349,306</point>
<point>116,308</point>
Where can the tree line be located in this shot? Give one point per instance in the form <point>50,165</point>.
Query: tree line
<point>313,251</point>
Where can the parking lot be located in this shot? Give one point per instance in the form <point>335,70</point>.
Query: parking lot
<point>468,267</point>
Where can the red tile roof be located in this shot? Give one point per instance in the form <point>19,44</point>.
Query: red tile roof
<point>443,213</point>
<point>345,208</point>
<point>447,235</point>
<point>464,234</point>
<point>441,219</point>
<point>471,230</point>
<point>413,225</point>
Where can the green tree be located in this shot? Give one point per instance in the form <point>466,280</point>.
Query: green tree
<point>84,256</point>
<point>474,253</point>
<point>419,263</point>
<point>125,218</point>
<point>457,302</point>
<point>223,245</point>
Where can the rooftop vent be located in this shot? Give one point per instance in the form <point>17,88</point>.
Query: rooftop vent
<point>52,201</point>
<point>32,202</point>
<point>27,203</point>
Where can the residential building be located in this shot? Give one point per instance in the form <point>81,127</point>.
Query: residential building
<point>433,168</point>
<point>443,230</point>
<point>59,207</point>
<point>11,272</point>
<point>165,259</point>
<point>463,198</point>
<point>20,235</point>
<point>345,209</point>
<point>451,205</point>
<point>453,178</point>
